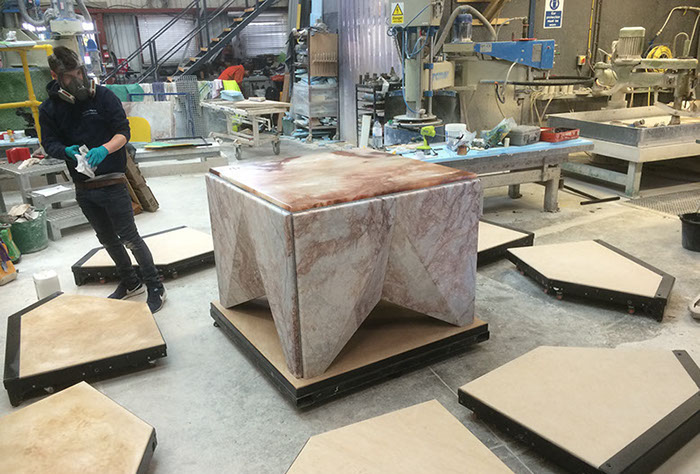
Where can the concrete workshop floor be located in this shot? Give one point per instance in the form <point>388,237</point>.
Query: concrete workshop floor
<point>215,412</point>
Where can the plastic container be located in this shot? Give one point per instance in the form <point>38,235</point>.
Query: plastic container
<point>690,231</point>
<point>462,29</point>
<point>453,131</point>
<point>377,140</point>
<point>46,283</point>
<point>31,236</point>
<point>524,135</point>
<point>554,135</point>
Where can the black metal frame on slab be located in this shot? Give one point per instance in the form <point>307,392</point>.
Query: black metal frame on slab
<point>83,275</point>
<point>654,307</point>
<point>20,388</point>
<point>498,252</point>
<point>356,379</point>
<point>148,454</point>
<point>643,455</point>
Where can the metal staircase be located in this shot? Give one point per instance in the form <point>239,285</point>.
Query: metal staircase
<point>206,53</point>
<point>217,44</point>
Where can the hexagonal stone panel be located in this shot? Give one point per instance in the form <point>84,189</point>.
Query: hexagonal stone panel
<point>594,409</point>
<point>423,438</point>
<point>64,339</point>
<point>76,430</point>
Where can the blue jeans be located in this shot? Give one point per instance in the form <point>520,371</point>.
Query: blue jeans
<point>109,212</point>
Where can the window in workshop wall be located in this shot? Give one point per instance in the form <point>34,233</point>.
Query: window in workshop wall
<point>150,24</point>
<point>267,34</point>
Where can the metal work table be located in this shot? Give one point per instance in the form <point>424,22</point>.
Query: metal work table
<point>29,142</point>
<point>540,162</point>
<point>613,134</point>
<point>23,177</point>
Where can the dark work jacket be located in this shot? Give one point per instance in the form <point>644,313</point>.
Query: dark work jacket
<point>91,123</point>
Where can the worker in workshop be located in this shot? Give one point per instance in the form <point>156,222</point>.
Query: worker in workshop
<point>79,112</point>
<point>234,72</point>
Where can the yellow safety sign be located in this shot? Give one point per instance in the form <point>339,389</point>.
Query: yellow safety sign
<point>397,16</point>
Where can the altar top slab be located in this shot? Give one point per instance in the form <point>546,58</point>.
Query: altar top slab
<point>324,179</point>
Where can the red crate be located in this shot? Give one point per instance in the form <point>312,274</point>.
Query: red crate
<point>555,135</point>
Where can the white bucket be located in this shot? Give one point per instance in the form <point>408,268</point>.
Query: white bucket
<point>46,283</point>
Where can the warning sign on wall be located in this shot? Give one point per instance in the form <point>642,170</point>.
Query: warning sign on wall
<point>553,13</point>
<point>397,16</point>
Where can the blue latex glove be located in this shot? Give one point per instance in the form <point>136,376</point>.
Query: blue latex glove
<point>71,151</point>
<point>97,156</point>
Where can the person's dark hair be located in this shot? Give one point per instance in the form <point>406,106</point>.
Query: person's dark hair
<point>63,59</point>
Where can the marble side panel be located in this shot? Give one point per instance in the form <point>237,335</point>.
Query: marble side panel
<point>236,267</point>
<point>255,257</point>
<point>432,260</point>
<point>341,257</point>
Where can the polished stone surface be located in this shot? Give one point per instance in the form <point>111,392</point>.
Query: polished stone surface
<point>325,268</point>
<point>323,179</point>
<point>76,430</point>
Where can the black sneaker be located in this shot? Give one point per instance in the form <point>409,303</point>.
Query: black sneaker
<point>156,298</point>
<point>123,292</point>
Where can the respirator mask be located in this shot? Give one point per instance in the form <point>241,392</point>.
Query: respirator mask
<point>76,86</point>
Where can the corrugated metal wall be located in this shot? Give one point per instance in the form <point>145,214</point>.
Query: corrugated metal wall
<point>364,47</point>
<point>122,36</point>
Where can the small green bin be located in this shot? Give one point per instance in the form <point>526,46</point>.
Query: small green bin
<point>31,236</point>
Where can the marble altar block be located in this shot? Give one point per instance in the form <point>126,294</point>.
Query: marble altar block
<point>325,237</point>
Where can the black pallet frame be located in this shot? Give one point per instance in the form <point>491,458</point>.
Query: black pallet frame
<point>356,379</point>
<point>498,252</point>
<point>654,307</point>
<point>20,388</point>
<point>641,456</point>
<point>148,453</point>
<point>83,275</point>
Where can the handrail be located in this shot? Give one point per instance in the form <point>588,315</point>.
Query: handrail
<point>152,39</point>
<point>177,46</point>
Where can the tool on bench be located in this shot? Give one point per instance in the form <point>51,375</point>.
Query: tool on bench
<point>426,132</point>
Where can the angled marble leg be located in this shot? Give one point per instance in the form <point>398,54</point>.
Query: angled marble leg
<point>255,257</point>
<point>341,255</point>
<point>432,259</point>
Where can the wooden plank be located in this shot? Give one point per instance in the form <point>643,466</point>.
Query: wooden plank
<point>284,97</point>
<point>388,330</point>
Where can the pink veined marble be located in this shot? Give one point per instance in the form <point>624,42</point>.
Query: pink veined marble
<point>409,238</point>
<point>323,179</point>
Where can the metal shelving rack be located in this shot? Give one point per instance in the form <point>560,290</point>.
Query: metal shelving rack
<point>322,61</point>
<point>363,106</point>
